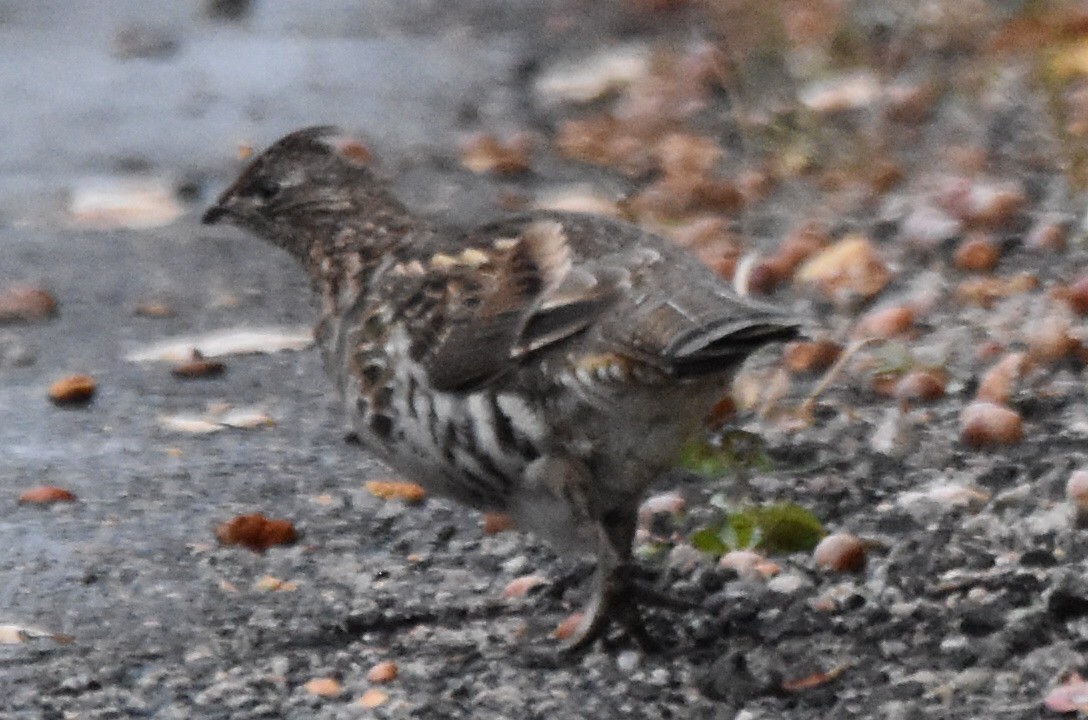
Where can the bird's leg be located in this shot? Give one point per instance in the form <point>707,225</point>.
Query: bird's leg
<point>615,593</point>
<point>557,502</point>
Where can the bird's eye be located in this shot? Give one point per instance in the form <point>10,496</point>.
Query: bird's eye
<point>265,189</point>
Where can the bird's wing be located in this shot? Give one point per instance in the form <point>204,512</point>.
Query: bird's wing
<point>517,288</point>
<point>676,316</point>
<point>474,313</point>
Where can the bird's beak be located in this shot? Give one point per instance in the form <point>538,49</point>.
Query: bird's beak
<point>214,214</point>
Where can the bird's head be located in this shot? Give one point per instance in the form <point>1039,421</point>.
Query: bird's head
<point>307,180</point>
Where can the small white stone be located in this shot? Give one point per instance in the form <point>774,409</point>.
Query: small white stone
<point>788,583</point>
<point>627,660</point>
<point>592,77</point>
<point>516,565</point>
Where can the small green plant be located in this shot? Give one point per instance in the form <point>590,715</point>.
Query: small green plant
<point>778,528</point>
<point>730,452</point>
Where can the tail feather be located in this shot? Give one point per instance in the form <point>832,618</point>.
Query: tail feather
<point>699,330</point>
<point>727,346</point>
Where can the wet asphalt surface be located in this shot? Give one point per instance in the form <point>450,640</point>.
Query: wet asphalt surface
<point>165,623</point>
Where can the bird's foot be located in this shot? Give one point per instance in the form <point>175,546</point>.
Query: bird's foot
<point>618,598</point>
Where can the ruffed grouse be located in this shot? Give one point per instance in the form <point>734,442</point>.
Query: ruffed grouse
<point>548,366</point>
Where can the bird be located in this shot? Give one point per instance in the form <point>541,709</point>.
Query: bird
<point>548,365</point>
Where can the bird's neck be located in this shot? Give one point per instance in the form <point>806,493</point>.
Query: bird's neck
<point>344,255</point>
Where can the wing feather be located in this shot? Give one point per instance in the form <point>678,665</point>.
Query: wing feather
<point>526,295</point>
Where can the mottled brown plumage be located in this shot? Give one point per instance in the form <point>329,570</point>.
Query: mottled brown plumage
<point>549,366</point>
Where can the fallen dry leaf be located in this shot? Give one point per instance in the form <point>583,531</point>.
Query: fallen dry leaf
<point>982,203</point>
<point>190,424</point>
<point>811,356</point>
<point>1050,340</point>
<point>850,267</point>
<point>885,323</point>
<point>977,253</point>
<point>602,140</point>
<point>18,634</point>
<point>325,687</point>
<point>687,154</point>
<point>383,672</point>
<point>73,390</point>
<point>353,150</point>
<point>109,203</point>
<point>46,495</point>
<point>814,680</point>
<point>909,103</point>
<point>984,424</point>
<point>520,586</point>
<point>256,532</point>
<point>11,635</point>
<point>22,303</point>
<point>373,698</point>
<point>198,367</point>
<point>943,494</point>
<point>839,94</point>
<point>920,385</point>
<point>1077,296</point>
<point>268,583</point>
<point>246,418</point>
<point>1070,696</point>
<point>236,341</point>
<point>568,627</point>
<point>396,490</point>
<point>1047,236</point>
<point>484,153</point>
<point>1001,381</point>
<point>153,310</point>
<point>576,198</point>
<point>592,77</point>
<point>985,291</point>
<point>216,419</point>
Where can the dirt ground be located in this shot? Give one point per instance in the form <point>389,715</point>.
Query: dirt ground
<point>950,142</point>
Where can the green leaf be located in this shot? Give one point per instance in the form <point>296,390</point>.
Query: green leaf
<point>787,527</point>
<point>707,540</point>
<point>735,450</point>
<point>700,457</point>
<point>741,531</point>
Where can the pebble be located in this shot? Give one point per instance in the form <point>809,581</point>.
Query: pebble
<point>927,227</point>
<point>627,660</point>
<point>954,644</point>
<point>788,583</point>
<point>941,496</point>
<point>517,565</point>
<point>685,559</point>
